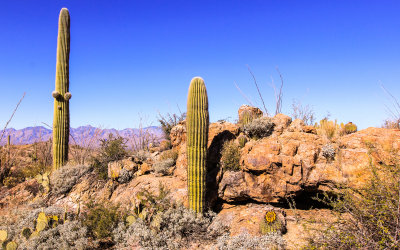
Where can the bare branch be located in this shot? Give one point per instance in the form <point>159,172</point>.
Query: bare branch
<point>259,93</point>
<point>15,110</point>
<point>279,97</point>
<point>47,125</point>
<point>395,111</point>
<point>245,97</point>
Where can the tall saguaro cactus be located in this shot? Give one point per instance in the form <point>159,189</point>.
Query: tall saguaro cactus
<point>197,121</point>
<point>61,94</point>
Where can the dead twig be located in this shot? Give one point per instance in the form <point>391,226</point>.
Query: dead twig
<point>279,96</point>
<point>259,93</point>
<point>15,110</point>
<point>395,103</point>
<point>245,97</point>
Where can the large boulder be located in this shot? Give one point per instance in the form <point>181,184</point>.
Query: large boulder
<point>248,112</point>
<point>281,122</point>
<point>247,218</point>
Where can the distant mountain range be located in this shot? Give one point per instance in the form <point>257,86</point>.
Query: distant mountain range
<point>81,136</point>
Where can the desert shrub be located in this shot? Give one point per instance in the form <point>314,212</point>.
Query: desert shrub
<point>18,164</point>
<point>174,228</point>
<point>161,224</point>
<point>149,204</point>
<point>247,241</point>
<point>162,167</point>
<point>101,219</point>
<point>169,121</point>
<point>367,217</point>
<point>111,149</point>
<point>35,169</point>
<point>328,151</point>
<point>328,128</point>
<point>391,124</point>
<point>169,154</point>
<point>166,161</point>
<point>165,145</point>
<point>259,128</point>
<point>62,180</point>
<point>141,155</point>
<point>230,156</point>
<point>305,113</point>
<point>22,173</point>
<point>70,235</point>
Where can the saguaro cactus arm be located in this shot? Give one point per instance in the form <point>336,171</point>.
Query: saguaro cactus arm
<point>56,94</point>
<point>67,96</point>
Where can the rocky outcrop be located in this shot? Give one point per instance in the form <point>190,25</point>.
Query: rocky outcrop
<point>246,111</point>
<point>274,168</point>
<point>289,162</point>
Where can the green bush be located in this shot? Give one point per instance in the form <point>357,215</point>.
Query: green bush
<point>111,149</point>
<point>230,156</point>
<point>101,220</point>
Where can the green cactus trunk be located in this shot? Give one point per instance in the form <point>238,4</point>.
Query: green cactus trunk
<point>61,94</point>
<point>197,135</point>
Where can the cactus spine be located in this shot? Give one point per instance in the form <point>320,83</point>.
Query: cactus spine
<point>61,94</point>
<point>197,135</point>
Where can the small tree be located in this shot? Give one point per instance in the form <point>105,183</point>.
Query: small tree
<point>169,121</point>
<point>111,149</point>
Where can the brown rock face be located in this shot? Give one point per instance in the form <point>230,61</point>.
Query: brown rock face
<point>296,126</point>
<point>178,134</point>
<point>249,111</point>
<point>276,167</point>
<point>20,194</point>
<point>281,122</point>
<point>288,162</point>
<point>247,218</point>
<point>126,194</point>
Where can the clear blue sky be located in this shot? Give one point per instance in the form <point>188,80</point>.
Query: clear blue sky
<point>132,59</point>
